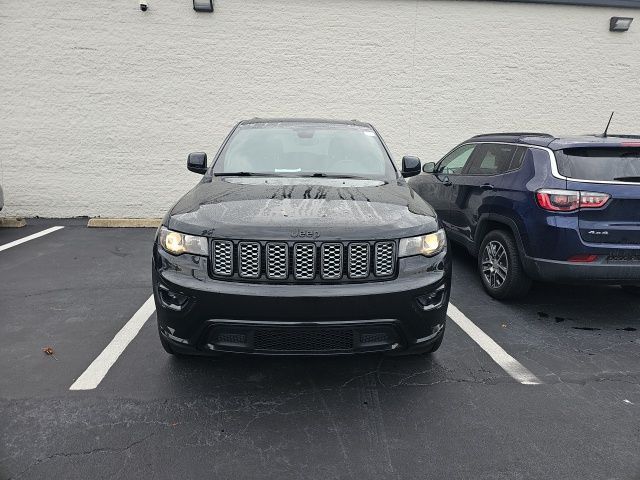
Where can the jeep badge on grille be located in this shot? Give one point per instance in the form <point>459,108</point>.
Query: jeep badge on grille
<point>305,234</point>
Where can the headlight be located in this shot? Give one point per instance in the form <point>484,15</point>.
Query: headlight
<point>177,243</point>
<point>427,245</point>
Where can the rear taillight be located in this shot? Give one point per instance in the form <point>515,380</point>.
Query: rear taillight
<point>570,200</point>
<point>593,199</point>
<point>558,200</point>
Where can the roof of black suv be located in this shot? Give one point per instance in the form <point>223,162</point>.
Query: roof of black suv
<point>304,120</point>
<point>557,143</point>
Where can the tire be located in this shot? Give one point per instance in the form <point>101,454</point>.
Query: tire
<point>500,268</point>
<point>631,289</point>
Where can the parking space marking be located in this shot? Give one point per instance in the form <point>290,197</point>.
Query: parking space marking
<point>99,368</point>
<point>95,373</point>
<point>30,237</point>
<point>509,364</point>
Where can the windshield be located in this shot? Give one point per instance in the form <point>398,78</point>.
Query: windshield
<point>604,164</point>
<point>305,149</point>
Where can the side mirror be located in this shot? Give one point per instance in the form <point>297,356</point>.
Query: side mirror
<point>410,166</point>
<point>197,162</point>
<point>429,167</point>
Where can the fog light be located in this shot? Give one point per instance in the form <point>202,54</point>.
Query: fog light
<point>172,300</point>
<point>433,300</point>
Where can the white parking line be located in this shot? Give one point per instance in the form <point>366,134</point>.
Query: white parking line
<point>509,364</point>
<point>30,237</point>
<point>99,368</point>
<point>94,374</point>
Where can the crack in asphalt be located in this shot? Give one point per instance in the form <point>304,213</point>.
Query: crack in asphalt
<point>631,378</point>
<point>83,453</point>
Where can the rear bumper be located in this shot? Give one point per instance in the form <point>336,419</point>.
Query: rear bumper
<point>404,315</point>
<point>597,272</point>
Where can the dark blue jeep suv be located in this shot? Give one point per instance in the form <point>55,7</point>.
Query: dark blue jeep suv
<point>533,206</point>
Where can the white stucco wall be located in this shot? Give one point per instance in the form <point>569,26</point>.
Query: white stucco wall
<point>101,102</point>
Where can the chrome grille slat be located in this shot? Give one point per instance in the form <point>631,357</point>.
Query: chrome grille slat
<point>331,261</point>
<point>384,259</point>
<point>304,261</point>
<point>358,260</point>
<point>249,259</point>
<point>277,261</point>
<point>222,253</point>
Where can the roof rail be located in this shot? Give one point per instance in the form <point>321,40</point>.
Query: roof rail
<point>622,136</point>
<point>515,134</point>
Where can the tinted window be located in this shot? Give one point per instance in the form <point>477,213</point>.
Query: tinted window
<point>455,161</point>
<point>600,163</point>
<point>297,148</point>
<point>518,158</point>
<point>491,159</point>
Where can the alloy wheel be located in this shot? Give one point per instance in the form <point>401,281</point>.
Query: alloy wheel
<point>495,264</point>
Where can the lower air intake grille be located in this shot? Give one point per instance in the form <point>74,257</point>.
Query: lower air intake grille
<point>297,340</point>
<point>239,338</point>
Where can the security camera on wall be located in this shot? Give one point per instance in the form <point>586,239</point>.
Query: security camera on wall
<point>143,5</point>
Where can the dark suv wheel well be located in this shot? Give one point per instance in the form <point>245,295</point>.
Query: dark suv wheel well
<point>491,224</point>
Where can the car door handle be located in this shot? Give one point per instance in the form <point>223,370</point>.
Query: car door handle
<point>487,186</point>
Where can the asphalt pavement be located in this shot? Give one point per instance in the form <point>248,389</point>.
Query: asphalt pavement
<point>455,415</point>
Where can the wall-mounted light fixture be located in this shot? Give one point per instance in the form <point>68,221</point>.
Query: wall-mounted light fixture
<point>203,5</point>
<point>617,24</point>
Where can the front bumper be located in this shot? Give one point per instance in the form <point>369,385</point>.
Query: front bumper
<point>199,315</point>
<point>600,271</point>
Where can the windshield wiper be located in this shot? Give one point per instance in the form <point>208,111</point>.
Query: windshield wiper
<point>628,179</point>
<point>246,174</point>
<point>285,175</point>
<point>327,175</point>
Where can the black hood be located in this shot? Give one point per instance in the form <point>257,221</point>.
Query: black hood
<point>258,208</point>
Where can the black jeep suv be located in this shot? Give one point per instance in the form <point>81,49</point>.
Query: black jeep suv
<point>301,238</point>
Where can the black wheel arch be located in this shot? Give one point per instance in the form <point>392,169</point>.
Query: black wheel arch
<point>494,221</point>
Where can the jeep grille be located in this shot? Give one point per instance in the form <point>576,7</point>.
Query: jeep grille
<point>291,262</point>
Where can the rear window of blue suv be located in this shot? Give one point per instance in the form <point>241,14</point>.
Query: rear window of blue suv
<point>598,163</point>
